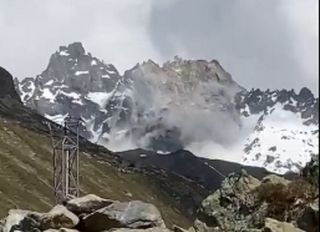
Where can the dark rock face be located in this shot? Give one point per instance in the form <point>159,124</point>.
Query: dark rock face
<point>303,102</point>
<point>7,88</point>
<point>290,119</point>
<point>243,203</point>
<point>206,172</point>
<point>79,85</point>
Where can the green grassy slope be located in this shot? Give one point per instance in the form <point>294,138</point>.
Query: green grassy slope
<point>26,172</point>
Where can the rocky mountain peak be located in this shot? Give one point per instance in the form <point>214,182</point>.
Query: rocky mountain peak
<point>257,101</point>
<point>306,94</point>
<point>199,69</point>
<point>75,49</point>
<point>189,104</point>
<point>7,88</point>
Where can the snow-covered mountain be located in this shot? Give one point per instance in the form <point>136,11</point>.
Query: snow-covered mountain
<point>190,104</point>
<point>286,128</point>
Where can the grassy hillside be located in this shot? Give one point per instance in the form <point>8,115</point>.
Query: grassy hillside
<point>26,172</point>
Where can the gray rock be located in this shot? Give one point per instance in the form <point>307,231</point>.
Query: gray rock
<point>154,229</point>
<point>87,204</point>
<point>229,208</point>
<point>179,229</point>
<point>2,221</point>
<point>58,217</point>
<point>22,220</point>
<point>61,230</point>
<point>275,179</point>
<point>134,214</point>
<point>7,88</point>
<point>309,220</point>
<point>272,225</point>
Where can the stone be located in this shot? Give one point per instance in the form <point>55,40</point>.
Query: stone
<point>275,179</point>
<point>61,230</point>
<point>179,229</point>
<point>154,229</point>
<point>272,225</point>
<point>22,220</point>
<point>87,204</point>
<point>58,217</point>
<point>309,220</point>
<point>133,214</point>
<point>228,208</point>
<point>7,89</point>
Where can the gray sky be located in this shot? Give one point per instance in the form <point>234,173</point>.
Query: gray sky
<point>262,43</point>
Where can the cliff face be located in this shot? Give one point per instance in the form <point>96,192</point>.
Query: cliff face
<point>243,203</point>
<point>7,87</point>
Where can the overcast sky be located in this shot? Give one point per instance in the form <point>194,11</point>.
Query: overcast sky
<point>262,43</point>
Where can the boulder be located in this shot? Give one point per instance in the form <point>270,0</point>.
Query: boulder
<point>229,208</point>
<point>309,221</point>
<point>58,217</point>
<point>275,179</point>
<point>87,204</point>
<point>61,230</point>
<point>133,214</point>
<point>22,220</point>
<point>1,224</point>
<point>176,228</point>
<point>7,89</point>
<point>154,229</point>
<point>272,225</point>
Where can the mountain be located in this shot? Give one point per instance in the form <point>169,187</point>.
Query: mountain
<point>175,183</point>
<point>286,129</point>
<point>7,87</point>
<point>26,168</point>
<point>193,105</point>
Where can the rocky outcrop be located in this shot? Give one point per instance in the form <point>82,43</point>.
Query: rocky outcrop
<point>134,215</point>
<point>272,225</point>
<point>274,204</point>
<point>58,217</point>
<point>87,204</point>
<point>88,214</point>
<point>7,87</point>
<point>286,129</point>
<point>242,204</point>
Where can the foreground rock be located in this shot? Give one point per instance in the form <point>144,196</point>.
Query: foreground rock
<point>272,225</point>
<point>134,214</point>
<point>88,214</point>
<point>242,204</point>
<point>58,217</point>
<point>87,204</point>
<point>272,205</point>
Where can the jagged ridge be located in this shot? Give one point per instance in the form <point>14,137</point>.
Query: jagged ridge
<point>184,104</point>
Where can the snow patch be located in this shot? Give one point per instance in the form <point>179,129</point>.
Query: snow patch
<point>107,76</point>
<point>64,53</point>
<point>78,73</point>
<point>49,83</point>
<point>59,118</point>
<point>100,98</point>
<point>47,94</point>
<point>282,144</point>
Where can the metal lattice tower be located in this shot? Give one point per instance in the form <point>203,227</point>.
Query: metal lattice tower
<point>66,160</point>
